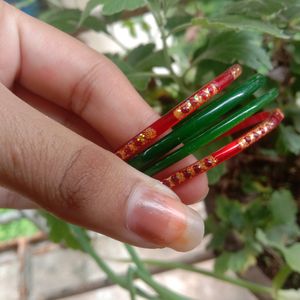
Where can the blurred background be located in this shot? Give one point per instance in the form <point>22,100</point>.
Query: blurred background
<point>168,49</point>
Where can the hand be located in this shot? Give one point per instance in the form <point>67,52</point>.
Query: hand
<point>63,109</point>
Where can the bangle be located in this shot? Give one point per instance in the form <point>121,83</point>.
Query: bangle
<point>195,124</point>
<point>191,145</point>
<point>147,136</point>
<point>271,122</point>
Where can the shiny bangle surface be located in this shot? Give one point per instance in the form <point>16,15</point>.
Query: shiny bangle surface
<point>212,133</point>
<point>272,120</point>
<point>198,122</point>
<point>146,137</point>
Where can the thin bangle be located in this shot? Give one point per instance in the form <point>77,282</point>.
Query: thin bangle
<point>193,125</point>
<point>228,151</point>
<point>143,139</point>
<point>192,145</point>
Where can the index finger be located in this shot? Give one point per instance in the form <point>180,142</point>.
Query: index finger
<point>61,69</point>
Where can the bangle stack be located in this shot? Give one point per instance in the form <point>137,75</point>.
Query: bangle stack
<point>195,123</point>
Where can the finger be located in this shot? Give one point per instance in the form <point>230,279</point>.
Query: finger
<point>10,199</point>
<point>64,117</point>
<point>61,69</point>
<point>187,192</point>
<point>87,185</point>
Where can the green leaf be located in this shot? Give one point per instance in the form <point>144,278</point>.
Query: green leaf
<point>288,294</point>
<point>296,119</point>
<point>240,23</point>
<point>18,228</point>
<point>140,53</point>
<point>238,261</point>
<point>222,263</point>
<point>219,233</point>
<point>261,236</point>
<point>256,8</point>
<point>265,240</point>
<point>283,207</point>
<point>244,47</point>
<point>289,140</point>
<point>284,233</point>
<point>87,10</point>
<point>257,214</point>
<point>231,212</point>
<point>144,58</point>
<point>60,232</point>
<point>292,256</point>
<point>139,80</point>
<point>67,20</point>
<point>155,59</point>
<point>111,7</point>
<point>177,21</point>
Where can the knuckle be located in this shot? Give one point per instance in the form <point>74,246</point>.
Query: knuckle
<point>81,94</point>
<point>84,177</point>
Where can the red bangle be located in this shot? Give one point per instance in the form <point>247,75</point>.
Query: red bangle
<point>270,122</point>
<point>143,139</point>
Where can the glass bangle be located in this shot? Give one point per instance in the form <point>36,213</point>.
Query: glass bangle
<point>272,120</point>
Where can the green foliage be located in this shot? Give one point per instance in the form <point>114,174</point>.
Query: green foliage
<point>240,23</point>
<point>139,64</point>
<point>68,20</point>
<point>289,141</point>
<point>266,222</point>
<point>283,199</point>
<point>18,228</point>
<point>238,261</point>
<point>61,232</point>
<point>229,47</point>
<point>116,6</point>
<point>288,295</point>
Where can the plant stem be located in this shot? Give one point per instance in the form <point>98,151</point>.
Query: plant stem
<point>254,287</point>
<point>194,63</point>
<point>111,275</point>
<point>135,258</point>
<point>87,247</point>
<point>130,277</point>
<point>179,28</point>
<point>145,275</point>
<point>160,21</point>
<point>115,40</point>
<point>281,277</point>
<point>164,293</point>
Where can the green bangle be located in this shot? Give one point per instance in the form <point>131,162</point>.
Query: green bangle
<point>195,124</point>
<point>211,134</point>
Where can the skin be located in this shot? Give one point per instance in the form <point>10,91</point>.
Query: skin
<point>64,108</point>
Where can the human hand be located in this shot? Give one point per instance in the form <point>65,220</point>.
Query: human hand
<point>64,108</point>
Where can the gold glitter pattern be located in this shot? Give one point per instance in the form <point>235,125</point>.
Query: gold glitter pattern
<point>191,171</point>
<point>136,143</point>
<point>195,101</point>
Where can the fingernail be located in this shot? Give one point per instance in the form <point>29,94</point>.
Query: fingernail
<point>157,216</point>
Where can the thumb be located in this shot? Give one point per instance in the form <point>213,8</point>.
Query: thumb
<point>87,185</point>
